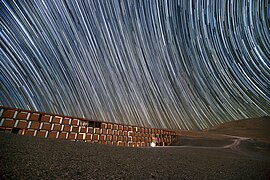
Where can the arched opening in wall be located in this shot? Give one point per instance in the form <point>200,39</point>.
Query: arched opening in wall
<point>83,123</point>
<point>91,123</point>
<point>15,130</point>
<point>94,124</point>
<point>98,124</point>
<point>18,131</point>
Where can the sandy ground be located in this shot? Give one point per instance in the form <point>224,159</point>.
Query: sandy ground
<point>190,157</point>
<point>256,128</point>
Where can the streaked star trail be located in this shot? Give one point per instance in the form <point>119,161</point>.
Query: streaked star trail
<point>186,64</point>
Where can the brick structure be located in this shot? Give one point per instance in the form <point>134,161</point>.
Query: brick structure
<point>46,125</point>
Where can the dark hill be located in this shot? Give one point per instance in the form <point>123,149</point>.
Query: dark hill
<point>256,128</point>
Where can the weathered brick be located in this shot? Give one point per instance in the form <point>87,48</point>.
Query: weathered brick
<point>115,143</point>
<point>103,131</point>
<point>83,130</point>
<point>120,127</point>
<point>130,133</point>
<point>65,121</point>
<point>88,136</point>
<point>29,133</point>
<point>66,128</point>
<point>102,137</point>
<point>75,129</point>
<point>57,127</point>
<point>9,123</point>
<point>146,139</point>
<point>22,124</point>
<point>95,137</point>
<point>108,138</point>
<point>120,143</point>
<point>115,127</point>
<point>109,143</point>
<point>120,133</point>
<point>62,135</point>
<point>56,119</point>
<point>90,130</point>
<point>109,131</point>
<point>110,126</point>
<point>34,125</point>
<point>71,136</point>
<point>41,133</point>
<point>8,113</point>
<point>146,130</point>
<point>46,126</point>
<point>119,138</point>
<point>96,130</point>
<point>45,118</point>
<point>74,122</point>
<point>103,125</point>
<point>114,138</point>
<point>52,134</point>
<point>80,136</point>
<point>22,115</point>
<point>34,117</point>
<point>142,130</point>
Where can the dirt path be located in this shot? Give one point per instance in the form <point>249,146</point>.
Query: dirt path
<point>234,145</point>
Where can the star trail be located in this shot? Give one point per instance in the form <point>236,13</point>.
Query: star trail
<point>186,64</point>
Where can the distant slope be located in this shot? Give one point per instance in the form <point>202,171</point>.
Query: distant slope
<point>258,128</point>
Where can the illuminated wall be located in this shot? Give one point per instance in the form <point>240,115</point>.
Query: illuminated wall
<point>46,125</point>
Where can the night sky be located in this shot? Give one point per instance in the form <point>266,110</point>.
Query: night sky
<point>182,64</point>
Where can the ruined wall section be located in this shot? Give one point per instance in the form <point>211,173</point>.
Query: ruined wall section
<point>31,123</point>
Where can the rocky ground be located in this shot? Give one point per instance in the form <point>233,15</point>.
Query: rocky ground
<point>204,157</point>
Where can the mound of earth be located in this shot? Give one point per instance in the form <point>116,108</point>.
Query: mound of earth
<point>255,128</point>
<point>202,141</point>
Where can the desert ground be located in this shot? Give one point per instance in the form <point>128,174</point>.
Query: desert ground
<point>233,150</point>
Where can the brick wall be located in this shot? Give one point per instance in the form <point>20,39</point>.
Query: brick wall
<point>46,125</point>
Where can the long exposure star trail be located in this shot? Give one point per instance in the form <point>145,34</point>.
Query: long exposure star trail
<point>186,64</point>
